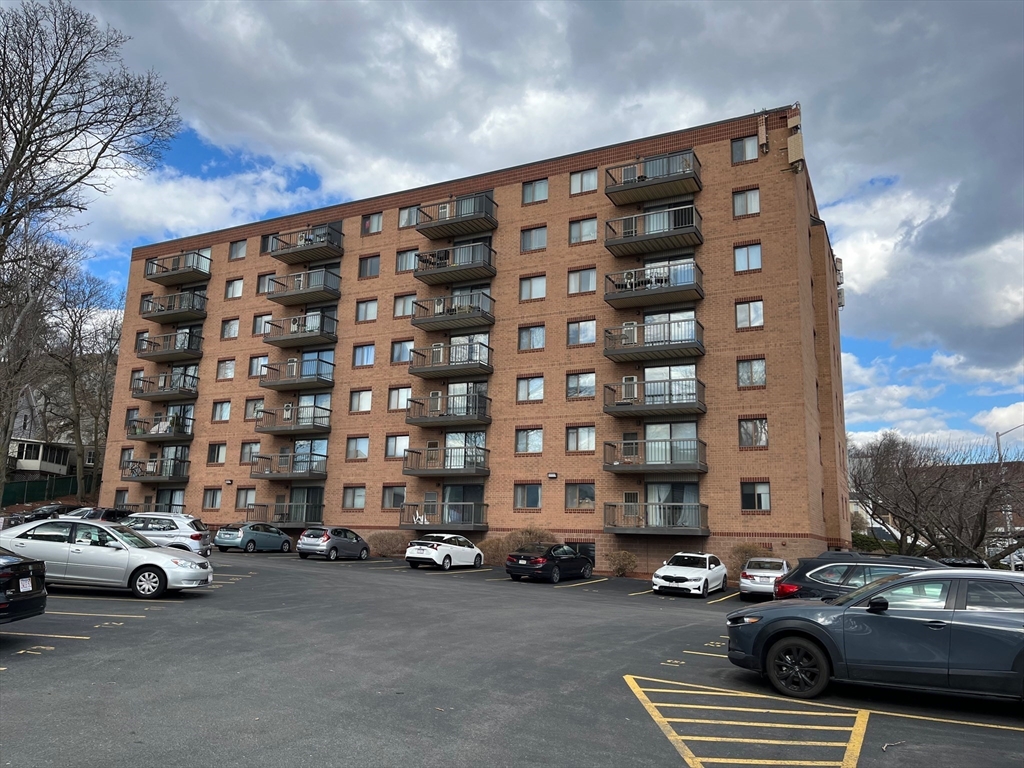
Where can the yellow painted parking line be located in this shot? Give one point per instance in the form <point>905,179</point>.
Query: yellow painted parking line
<point>720,599</point>
<point>856,740</point>
<point>504,579</point>
<point>391,568</point>
<point>760,724</point>
<point>780,742</point>
<point>761,762</point>
<point>455,573</point>
<point>581,584</point>
<point>645,592</point>
<point>702,653</point>
<point>104,615</point>
<point>59,637</point>
<point>115,599</point>
<point>758,710</point>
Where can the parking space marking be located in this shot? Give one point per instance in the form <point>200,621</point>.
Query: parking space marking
<point>58,637</point>
<point>645,592</point>
<point>504,579</point>
<point>391,568</point>
<point>720,599</point>
<point>704,653</point>
<point>457,573</point>
<point>115,599</point>
<point>101,615</point>
<point>580,584</point>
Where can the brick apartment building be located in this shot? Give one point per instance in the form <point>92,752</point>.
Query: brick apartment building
<point>635,346</point>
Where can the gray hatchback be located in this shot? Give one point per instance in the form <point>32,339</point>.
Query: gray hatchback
<point>332,543</point>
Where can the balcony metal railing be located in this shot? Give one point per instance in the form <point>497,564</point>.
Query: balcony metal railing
<point>460,262</point>
<point>301,284</point>
<point>157,509</point>
<point>285,513</point>
<point>314,372</point>
<point>155,469</point>
<point>295,417</point>
<point>443,307</point>
<point>162,428</point>
<point>290,465</point>
<point>655,278</point>
<point>443,513</point>
<point>664,333</point>
<point>181,267</point>
<point>180,344</point>
<point>300,327</point>
<point>481,204</point>
<point>439,358</point>
<point>653,223</point>
<point>684,452</point>
<point>450,407</point>
<point>462,460</point>
<point>175,303</point>
<point>656,516</point>
<point>664,167</point>
<point>165,384</point>
<point>309,244</point>
<point>651,394</point>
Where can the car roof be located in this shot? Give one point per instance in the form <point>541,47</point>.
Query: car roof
<point>769,559</point>
<point>692,554</point>
<point>176,515</point>
<point>867,557</point>
<point>965,573</point>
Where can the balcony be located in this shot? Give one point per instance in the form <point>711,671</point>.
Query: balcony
<point>178,269</point>
<point>297,374</point>
<point>295,420</point>
<point>451,265</point>
<point>156,471</point>
<point>449,411</point>
<point>663,284</point>
<point>657,519</point>
<point>653,178</point>
<point>466,310</point>
<point>654,341</point>
<point>453,218</point>
<point>166,387</point>
<point>165,429</point>
<point>302,331</point>
<point>654,231</point>
<point>440,462</point>
<point>444,516</point>
<point>444,360</point>
<point>289,466</point>
<point>285,515</point>
<point>170,347</point>
<point>176,308</point>
<point>156,509</point>
<point>313,287</point>
<point>674,397</point>
<point>311,244</point>
<point>631,456</point>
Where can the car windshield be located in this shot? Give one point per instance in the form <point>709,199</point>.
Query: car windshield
<point>232,527</point>
<point>131,538</point>
<point>533,549</point>
<point>688,561</point>
<point>313,533</point>
<point>197,525</point>
<point>764,565</point>
<point>857,594</point>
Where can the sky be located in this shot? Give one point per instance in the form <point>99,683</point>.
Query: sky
<point>912,113</point>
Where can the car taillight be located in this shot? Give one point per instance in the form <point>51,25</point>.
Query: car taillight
<point>196,537</point>
<point>326,537</point>
<point>783,589</point>
<point>538,560</point>
<point>745,575</point>
<point>510,559</point>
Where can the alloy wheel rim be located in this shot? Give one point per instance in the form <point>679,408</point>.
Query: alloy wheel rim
<point>796,669</point>
<point>147,583</point>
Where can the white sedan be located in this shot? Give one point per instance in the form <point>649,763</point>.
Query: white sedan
<point>689,573</point>
<point>443,550</point>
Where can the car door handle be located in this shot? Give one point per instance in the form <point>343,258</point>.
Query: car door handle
<point>19,544</point>
<point>76,549</point>
<point>935,624</point>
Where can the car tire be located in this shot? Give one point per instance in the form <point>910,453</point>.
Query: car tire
<point>515,576</point>
<point>222,549</point>
<point>148,583</point>
<point>725,583</point>
<point>704,588</point>
<point>250,546</point>
<point>413,565</point>
<point>364,553</point>
<point>446,563</point>
<point>332,554</point>
<point>556,575</point>
<point>744,597</point>
<point>588,571</point>
<point>286,546</point>
<point>478,561</point>
<point>797,667</point>
<point>303,555</point>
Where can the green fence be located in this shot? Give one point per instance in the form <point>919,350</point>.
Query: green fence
<point>27,491</point>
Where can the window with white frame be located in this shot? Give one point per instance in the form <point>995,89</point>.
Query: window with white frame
<point>407,216</point>
<point>245,497</point>
<point>583,231</point>
<point>583,181</point>
<point>747,202</point>
<point>398,398</point>
<point>535,191</point>
<point>750,373</point>
<point>750,314</point>
<point>250,450</point>
<point>233,288</point>
<point>405,261</point>
<point>582,281</point>
<point>229,328</point>
<point>217,453</point>
<point>533,287</point>
<point>354,497</point>
<point>254,407</point>
<point>373,223</point>
<point>579,496</point>
<point>360,401</point>
<point>211,498</point>
<point>369,266</point>
<point>404,305</point>
<point>753,433</point>
<point>531,337</point>
<point>236,250</point>
<point>533,239</point>
<point>261,324</point>
<point>357,448</point>
<point>529,440</point>
<point>580,385</point>
<point>744,149</point>
<point>363,354</point>
<point>222,410</point>
<point>530,389</point>
<point>747,257</point>
<point>581,332</point>
<point>580,438</point>
<point>401,351</point>
<point>225,369</point>
<point>395,446</point>
<point>257,363</point>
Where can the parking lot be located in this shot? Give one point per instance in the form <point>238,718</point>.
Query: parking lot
<point>308,663</point>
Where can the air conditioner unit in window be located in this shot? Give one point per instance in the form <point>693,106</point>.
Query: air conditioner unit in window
<point>841,297</point>
<point>292,368</point>
<point>839,265</point>
<point>286,412</point>
<point>629,388</point>
<point>296,325</point>
<point>629,334</point>
<point>443,210</point>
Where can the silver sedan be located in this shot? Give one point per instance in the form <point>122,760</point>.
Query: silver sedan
<point>98,554</point>
<point>759,575</point>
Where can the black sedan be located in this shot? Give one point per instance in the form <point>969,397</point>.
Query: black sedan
<point>48,512</point>
<point>22,587</point>
<point>547,561</point>
<point>946,630</point>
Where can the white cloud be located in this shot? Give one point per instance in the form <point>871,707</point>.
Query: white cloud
<point>1003,419</point>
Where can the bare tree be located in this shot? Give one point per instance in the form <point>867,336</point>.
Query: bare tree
<point>949,499</point>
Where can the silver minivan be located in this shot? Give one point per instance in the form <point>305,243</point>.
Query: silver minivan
<point>172,530</point>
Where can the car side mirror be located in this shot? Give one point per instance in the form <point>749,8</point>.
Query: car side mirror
<point>114,545</point>
<point>664,562</point>
<point>878,605</point>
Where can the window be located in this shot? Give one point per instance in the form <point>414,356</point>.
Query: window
<point>229,328</point>
<point>363,355</point>
<point>403,305</point>
<point>357,448</point>
<point>373,223</point>
<point>744,203</point>
<point>249,452</point>
<point>233,288</point>
<point>360,400</point>
<point>211,498</point>
<point>407,216</point>
<point>222,410</point>
<point>264,284</point>
<point>579,495</point>
<point>394,497</point>
<point>406,261</point>
<point>535,191</point>
<point>254,408</point>
<point>533,288</point>
<point>580,438</point>
<point>236,251</point>
<point>744,149</point>
<point>583,181</point>
<point>217,453</point>
<point>747,257</point>
<point>584,231</point>
<point>398,398</point>
<point>917,596</point>
<point>130,415</point>
<point>401,351</point>
<point>369,266</point>
<point>366,310</point>
<point>754,496</point>
<point>225,369</point>
<point>529,440</point>
<point>395,446</point>
<point>261,324</point>
<point>530,389</point>
<point>532,337</point>
<point>354,497</point>
<point>582,281</point>
<point>527,496</point>
<point>994,596</point>
<point>582,332</point>
<point>268,243</point>
<point>120,498</point>
<point>127,455</point>
<point>580,385</point>
<point>533,239</point>
<point>753,433</point>
<point>750,373</point>
<point>257,364</point>
<point>244,497</point>
<point>750,314</point>
<point>90,458</point>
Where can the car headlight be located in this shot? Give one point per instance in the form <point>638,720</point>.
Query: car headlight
<point>738,621</point>
<point>184,563</point>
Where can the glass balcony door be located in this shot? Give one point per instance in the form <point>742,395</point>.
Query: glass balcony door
<point>669,443</point>
<point>668,327</point>
<point>665,503</point>
<point>664,384</point>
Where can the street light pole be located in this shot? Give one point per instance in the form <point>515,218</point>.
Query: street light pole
<point>1007,510</point>
<point>999,447</point>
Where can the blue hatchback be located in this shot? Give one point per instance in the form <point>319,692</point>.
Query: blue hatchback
<point>252,537</point>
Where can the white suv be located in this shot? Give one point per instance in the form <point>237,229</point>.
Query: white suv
<point>171,530</point>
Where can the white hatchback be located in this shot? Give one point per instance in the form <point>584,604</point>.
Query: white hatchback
<point>689,573</point>
<point>443,550</point>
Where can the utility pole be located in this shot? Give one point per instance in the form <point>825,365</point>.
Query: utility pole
<point>1007,509</point>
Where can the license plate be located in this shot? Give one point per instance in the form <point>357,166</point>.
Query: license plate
<point>419,551</point>
<point>522,562</point>
<point>25,585</point>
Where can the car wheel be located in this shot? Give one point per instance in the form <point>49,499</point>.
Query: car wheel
<point>478,561</point>
<point>797,667</point>
<point>515,576</point>
<point>332,553</point>
<point>364,553</point>
<point>149,583</point>
<point>725,583</point>
<point>222,549</point>
<point>413,565</point>
<point>286,546</point>
<point>303,555</point>
<point>744,596</point>
<point>588,570</point>
<point>250,546</point>
<point>556,575</point>
<point>446,563</point>
<point>704,588</point>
